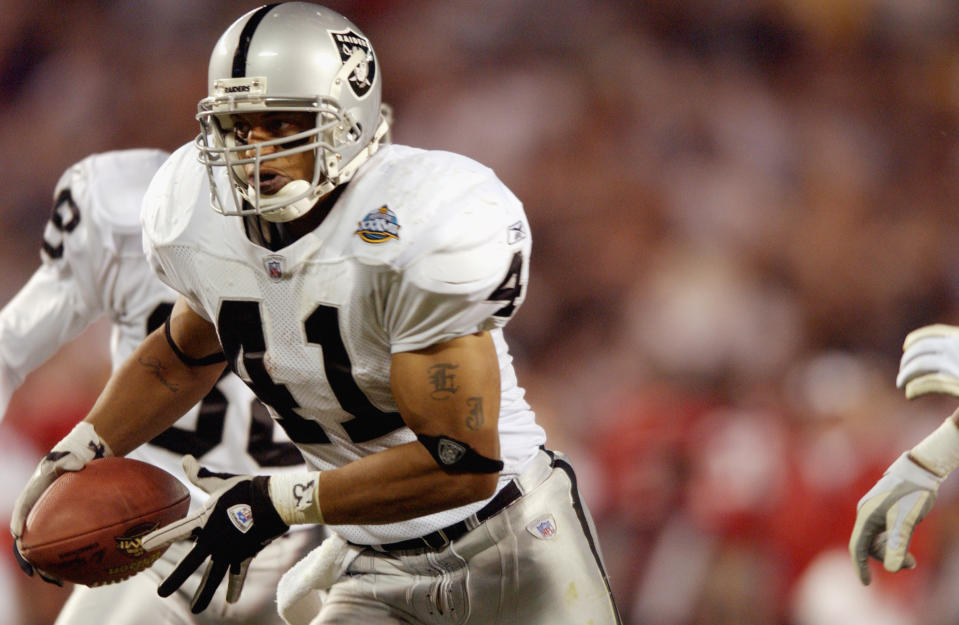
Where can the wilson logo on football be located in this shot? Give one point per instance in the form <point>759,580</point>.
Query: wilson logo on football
<point>379,226</point>
<point>130,541</point>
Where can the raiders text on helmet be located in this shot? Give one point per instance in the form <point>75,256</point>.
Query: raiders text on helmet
<point>299,57</point>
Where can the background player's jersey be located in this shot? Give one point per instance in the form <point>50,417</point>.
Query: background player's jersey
<point>93,264</point>
<point>420,248</point>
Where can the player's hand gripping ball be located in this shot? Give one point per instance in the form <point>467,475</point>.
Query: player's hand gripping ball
<point>86,527</point>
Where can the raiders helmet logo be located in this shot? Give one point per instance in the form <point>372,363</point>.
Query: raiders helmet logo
<point>347,42</point>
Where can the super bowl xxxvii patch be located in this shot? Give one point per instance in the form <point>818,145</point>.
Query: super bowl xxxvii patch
<point>379,226</point>
<point>543,527</point>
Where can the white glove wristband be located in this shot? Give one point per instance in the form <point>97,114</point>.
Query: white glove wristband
<point>296,497</point>
<point>939,452</point>
<point>84,437</point>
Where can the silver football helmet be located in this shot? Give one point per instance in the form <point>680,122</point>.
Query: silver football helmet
<point>290,56</point>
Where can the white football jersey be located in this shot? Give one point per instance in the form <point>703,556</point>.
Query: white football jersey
<point>93,265</point>
<point>421,247</point>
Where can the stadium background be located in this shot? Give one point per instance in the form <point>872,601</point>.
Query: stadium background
<point>739,210</point>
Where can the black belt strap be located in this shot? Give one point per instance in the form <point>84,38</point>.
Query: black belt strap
<point>440,538</point>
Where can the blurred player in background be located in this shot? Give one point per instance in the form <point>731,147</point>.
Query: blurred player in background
<point>93,265</point>
<point>889,512</point>
<point>360,289</point>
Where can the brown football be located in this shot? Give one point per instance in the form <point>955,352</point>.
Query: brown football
<point>86,527</point>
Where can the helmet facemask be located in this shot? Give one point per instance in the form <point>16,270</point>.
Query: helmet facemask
<point>334,133</point>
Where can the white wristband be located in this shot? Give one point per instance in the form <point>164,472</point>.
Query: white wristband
<point>939,452</point>
<point>296,497</point>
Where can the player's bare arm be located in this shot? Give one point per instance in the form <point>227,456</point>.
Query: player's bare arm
<point>449,390</point>
<point>155,386</point>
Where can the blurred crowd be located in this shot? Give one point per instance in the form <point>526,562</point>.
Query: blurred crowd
<point>739,209</point>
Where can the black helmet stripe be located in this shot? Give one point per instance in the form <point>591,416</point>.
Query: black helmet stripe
<point>243,45</point>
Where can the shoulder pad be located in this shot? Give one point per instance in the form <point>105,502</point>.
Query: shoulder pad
<point>170,201</point>
<point>96,204</point>
<point>110,186</point>
<point>441,218</point>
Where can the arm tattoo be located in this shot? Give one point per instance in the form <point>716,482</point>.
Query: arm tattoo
<point>442,380</point>
<point>157,367</point>
<point>474,420</point>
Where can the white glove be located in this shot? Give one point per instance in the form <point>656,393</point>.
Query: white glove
<point>72,453</point>
<point>930,361</point>
<point>887,515</point>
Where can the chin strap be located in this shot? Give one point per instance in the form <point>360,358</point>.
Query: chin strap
<point>296,208</point>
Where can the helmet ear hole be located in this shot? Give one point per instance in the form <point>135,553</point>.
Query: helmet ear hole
<point>347,131</point>
<point>355,132</point>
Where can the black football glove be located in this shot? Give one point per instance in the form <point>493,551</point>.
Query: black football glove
<point>236,523</point>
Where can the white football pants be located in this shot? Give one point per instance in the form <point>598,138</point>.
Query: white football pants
<point>537,562</point>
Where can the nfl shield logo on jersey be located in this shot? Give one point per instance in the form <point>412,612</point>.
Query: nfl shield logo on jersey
<point>241,515</point>
<point>543,527</point>
<point>274,266</point>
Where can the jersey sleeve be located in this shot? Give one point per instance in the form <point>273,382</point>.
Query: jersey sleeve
<point>466,273</point>
<point>85,243</point>
<point>60,300</point>
<point>44,315</point>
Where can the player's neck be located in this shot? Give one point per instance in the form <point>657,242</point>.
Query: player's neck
<point>277,235</point>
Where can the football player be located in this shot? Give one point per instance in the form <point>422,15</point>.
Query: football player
<point>360,289</point>
<point>93,265</point>
<point>887,514</point>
